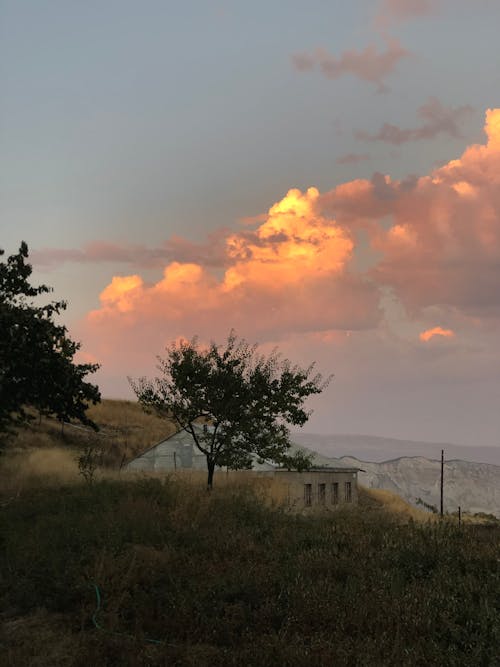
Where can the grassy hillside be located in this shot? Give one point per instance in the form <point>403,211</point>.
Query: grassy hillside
<point>124,431</point>
<point>193,579</point>
<point>144,571</point>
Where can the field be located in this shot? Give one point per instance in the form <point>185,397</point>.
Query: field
<point>137,571</point>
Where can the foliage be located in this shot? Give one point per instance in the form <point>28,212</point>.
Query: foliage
<point>90,459</point>
<point>264,588</point>
<point>37,369</point>
<point>235,403</point>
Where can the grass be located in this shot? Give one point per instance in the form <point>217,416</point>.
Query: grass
<point>125,430</point>
<point>223,579</point>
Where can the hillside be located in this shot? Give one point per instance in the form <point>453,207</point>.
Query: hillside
<point>378,449</point>
<point>475,487</point>
<point>125,431</point>
<point>150,572</point>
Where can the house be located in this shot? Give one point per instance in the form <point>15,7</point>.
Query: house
<point>177,452</point>
<point>319,488</point>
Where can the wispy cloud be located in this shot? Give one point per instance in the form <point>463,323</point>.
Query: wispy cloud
<point>352,158</point>
<point>396,11</point>
<point>369,64</point>
<point>436,119</point>
<point>210,253</point>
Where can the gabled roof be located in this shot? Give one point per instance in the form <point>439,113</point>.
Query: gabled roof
<point>160,442</point>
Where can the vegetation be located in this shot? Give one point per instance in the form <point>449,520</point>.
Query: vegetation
<point>235,404</point>
<point>37,369</point>
<point>221,579</point>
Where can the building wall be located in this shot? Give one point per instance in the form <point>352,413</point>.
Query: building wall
<point>312,491</point>
<point>176,453</point>
<point>308,491</point>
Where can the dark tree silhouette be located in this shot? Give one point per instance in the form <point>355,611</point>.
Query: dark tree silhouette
<point>235,403</point>
<point>37,369</point>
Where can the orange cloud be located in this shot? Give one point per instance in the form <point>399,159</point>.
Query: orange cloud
<point>433,240</point>
<point>436,331</point>
<point>290,274</point>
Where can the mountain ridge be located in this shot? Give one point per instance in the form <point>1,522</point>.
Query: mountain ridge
<point>472,486</point>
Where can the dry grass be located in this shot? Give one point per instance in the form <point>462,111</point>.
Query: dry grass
<point>125,430</point>
<point>393,504</point>
<point>23,469</point>
<point>220,579</point>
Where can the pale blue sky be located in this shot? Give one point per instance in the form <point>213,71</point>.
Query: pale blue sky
<point>125,118</point>
<point>135,121</point>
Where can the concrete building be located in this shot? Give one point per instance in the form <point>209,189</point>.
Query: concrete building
<point>318,489</point>
<point>177,452</point>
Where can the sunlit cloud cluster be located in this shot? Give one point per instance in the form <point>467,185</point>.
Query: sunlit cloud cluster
<point>289,274</point>
<point>432,243</point>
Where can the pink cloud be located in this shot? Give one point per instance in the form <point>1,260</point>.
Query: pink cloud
<point>369,65</point>
<point>436,119</point>
<point>442,245</point>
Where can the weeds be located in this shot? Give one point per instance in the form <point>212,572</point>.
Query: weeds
<point>221,579</point>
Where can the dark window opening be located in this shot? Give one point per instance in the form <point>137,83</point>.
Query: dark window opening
<point>335,493</point>
<point>348,492</point>
<point>307,495</point>
<point>321,494</point>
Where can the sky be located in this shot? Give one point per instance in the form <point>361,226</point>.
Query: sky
<point>324,177</point>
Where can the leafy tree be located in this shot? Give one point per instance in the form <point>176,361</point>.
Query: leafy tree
<point>36,355</point>
<point>235,403</point>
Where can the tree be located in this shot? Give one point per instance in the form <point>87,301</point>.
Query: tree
<point>235,403</point>
<point>37,369</point>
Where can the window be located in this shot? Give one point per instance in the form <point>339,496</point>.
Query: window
<point>321,494</point>
<point>307,495</point>
<point>335,493</point>
<point>348,492</point>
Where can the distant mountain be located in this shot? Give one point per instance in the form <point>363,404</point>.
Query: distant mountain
<point>475,487</point>
<point>373,448</point>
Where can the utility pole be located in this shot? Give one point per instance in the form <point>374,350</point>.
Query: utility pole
<point>442,481</point>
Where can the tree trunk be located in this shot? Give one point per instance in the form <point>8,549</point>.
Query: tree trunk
<point>211,469</point>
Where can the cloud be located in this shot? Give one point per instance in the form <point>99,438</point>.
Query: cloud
<point>369,65</point>
<point>352,158</point>
<point>426,335</point>
<point>209,253</point>
<point>439,243</point>
<point>436,119</point>
<point>396,11</point>
<point>428,244</point>
<point>290,274</point>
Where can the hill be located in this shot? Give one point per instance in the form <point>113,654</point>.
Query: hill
<point>151,572</point>
<point>125,431</point>
<point>378,449</point>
